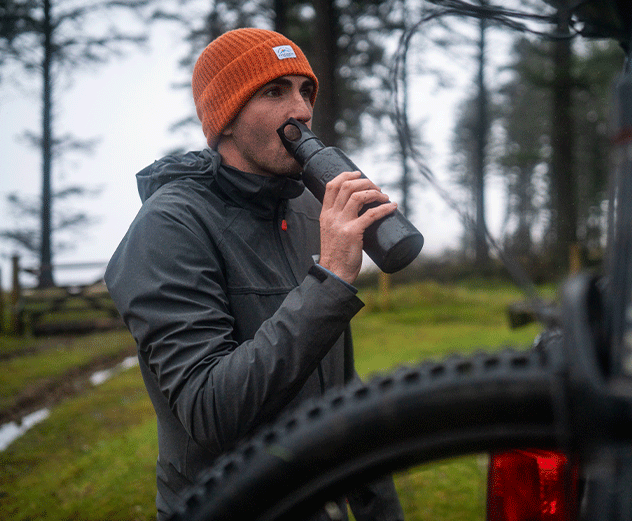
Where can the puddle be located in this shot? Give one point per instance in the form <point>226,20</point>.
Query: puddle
<point>102,376</point>
<point>9,432</point>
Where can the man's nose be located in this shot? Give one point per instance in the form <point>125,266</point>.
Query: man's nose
<point>301,108</point>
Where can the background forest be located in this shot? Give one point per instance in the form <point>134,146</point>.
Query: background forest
<point>528,144</point>
<point>532,119</point>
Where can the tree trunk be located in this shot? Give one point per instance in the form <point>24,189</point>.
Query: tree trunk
<point>46,268</point>
<point>522,242</point>
<point>325,63</point>
<point>481,247</point>
<point>280,17</point>
<point>563,185</point>
<point>405,180</point>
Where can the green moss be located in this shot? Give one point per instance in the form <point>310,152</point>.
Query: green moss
<point>94,457</point>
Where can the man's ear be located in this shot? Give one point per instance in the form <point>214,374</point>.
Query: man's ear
<point>228,130</point>
<point>224,135</point>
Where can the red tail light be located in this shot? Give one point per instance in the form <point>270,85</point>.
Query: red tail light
<point>531,485</point>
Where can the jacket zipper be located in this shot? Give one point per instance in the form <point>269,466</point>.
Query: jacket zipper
<point>280,213</point>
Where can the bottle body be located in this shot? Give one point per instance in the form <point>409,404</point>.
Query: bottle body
<point>391,242</point>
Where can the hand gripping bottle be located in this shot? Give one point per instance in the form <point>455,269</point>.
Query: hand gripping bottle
<point>391,242</point>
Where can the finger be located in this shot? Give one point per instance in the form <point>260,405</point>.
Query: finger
<point>355,178</point>
<point>361,189</point>
<point>344,176</point>
<point>358,200</point>
<point>340,188</point>
<point>333,187</point>
<point>376,213</point>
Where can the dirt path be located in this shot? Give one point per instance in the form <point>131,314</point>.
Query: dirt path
<point>51,391</point>
<point>35,348</point>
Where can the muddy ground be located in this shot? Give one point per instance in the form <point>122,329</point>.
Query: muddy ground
<point>47,393</point>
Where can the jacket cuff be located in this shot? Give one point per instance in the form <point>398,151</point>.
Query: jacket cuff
<point>322,273</point>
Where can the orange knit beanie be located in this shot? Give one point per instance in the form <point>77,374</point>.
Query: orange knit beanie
<point>235,66</point>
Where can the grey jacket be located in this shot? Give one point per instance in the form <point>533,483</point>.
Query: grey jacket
<point>234,323</point>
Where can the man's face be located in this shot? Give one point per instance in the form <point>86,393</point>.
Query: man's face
<point>250,142</point>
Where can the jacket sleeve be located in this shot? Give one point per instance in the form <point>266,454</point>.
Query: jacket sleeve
<point>167,281</point>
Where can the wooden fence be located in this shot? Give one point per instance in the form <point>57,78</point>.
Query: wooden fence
<point>62,309</point>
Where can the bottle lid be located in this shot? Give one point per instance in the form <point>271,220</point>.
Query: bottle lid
<point>299,140</point>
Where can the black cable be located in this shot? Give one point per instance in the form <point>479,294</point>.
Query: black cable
<point>505,17</point>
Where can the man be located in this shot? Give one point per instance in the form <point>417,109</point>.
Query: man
<point>234,282</point>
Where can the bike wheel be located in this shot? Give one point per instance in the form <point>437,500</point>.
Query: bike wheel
<point>414,415</point>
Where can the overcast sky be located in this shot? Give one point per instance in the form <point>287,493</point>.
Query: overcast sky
<point>129,105</point>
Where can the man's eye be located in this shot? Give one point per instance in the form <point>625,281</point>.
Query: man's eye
<point>273,93</point>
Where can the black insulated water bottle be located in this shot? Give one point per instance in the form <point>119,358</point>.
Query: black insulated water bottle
<point>392,242</point>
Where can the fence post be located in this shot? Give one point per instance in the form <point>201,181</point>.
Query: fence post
<point>1,304</point>
<point>16,292</point>
<point>385,291</point>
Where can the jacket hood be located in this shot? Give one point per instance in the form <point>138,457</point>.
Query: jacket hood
<point>257,193</point>
<point>204,163</point>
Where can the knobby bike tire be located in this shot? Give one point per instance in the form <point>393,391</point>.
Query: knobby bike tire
<point>459,406</point>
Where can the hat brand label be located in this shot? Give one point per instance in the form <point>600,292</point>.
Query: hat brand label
<point>284,51</point>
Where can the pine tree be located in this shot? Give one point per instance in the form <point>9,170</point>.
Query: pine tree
<point>53,39</point>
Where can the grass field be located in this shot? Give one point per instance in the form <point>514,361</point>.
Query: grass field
<point>93,458</point>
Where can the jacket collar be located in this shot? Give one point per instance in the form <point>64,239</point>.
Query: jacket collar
<point>257,193</point>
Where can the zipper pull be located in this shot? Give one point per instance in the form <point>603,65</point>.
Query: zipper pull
<point>283,221</point>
